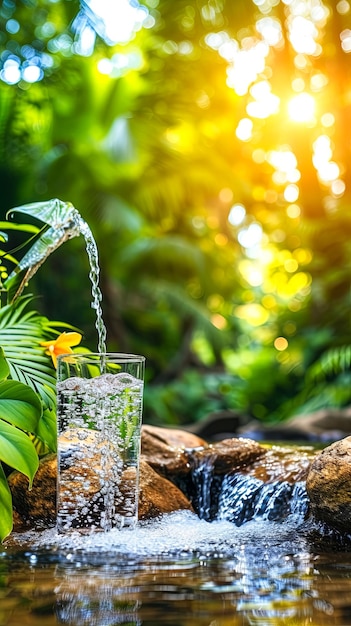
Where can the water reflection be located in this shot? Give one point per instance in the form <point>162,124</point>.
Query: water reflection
<point>178,572</point>
<point>198,591</point>
<point>95,599</point>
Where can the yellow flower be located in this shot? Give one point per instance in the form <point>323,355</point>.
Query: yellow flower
<point>62,345</point>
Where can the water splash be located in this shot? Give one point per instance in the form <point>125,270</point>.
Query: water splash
<point>180,534</point>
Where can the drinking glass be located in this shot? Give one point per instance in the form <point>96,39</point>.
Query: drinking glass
<point>99,410</point>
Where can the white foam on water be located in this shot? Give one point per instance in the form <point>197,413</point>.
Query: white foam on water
<point>179,533</point>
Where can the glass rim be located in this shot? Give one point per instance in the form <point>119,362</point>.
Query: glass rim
<point>94,356</point>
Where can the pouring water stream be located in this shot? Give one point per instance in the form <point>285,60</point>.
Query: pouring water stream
<point>94,275</point>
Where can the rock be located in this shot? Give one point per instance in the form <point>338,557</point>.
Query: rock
<point>325,424</point>
<point>219,425</point>
<point>173,453</point>
<point>164,450</point>
<point>158,495</point>
<point>173,437</point>
<point>328,485</point>
<point>35,508</point>
<point>228,455</point>
<point>280,463</point>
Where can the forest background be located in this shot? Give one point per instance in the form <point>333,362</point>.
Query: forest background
<point>207,145</point>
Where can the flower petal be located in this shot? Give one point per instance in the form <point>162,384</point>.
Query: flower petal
<point>69,339</point>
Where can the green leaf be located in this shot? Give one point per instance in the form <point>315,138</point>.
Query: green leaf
<point>47,429</point>
<point>27,228</point>
<point>4,368</point>
<point>5,507</point>
<point>19,405</point>
<point>17,451</point>
<point>21,332</point>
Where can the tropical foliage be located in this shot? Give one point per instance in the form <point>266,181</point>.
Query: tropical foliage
<point>210,155</point>
<point>20,412</point>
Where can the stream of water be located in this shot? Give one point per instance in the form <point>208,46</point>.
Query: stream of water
<point>94,275</point>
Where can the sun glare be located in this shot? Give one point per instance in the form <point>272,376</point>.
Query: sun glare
<point>118,20</point>
<point>265,103</point>
<point>301,108</point>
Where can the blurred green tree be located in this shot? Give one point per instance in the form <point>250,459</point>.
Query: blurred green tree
<point>209,153</point>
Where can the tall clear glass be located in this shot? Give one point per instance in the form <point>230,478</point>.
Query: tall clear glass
<point>99,409</point>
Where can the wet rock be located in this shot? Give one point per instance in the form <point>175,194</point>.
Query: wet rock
<point>157,495</point>
<point>228,455</point>
<point>164,449</point>
<point>290,464</point>
<point>328,485</point>
<point>35,508</point>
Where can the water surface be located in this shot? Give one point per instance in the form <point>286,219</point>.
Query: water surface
<point>178,571</point>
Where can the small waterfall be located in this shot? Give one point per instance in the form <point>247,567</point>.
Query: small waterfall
<point>243,497</point>
<point>270,487</point>
<point>204,487</point>
<point>238,497</point>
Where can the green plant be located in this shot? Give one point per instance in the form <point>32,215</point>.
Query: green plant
<point>20,412</point>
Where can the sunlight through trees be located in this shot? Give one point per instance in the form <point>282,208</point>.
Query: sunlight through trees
<point>207,145</point>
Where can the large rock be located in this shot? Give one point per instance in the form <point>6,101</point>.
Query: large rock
<point>329,485</point>
<point>157,495</point>
<point>228,455</point>
<point>164,449</point>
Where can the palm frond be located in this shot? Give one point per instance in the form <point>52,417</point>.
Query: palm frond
<point>331,363</point>
<point>21,333</point>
